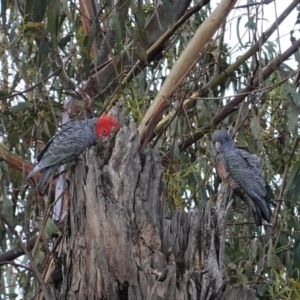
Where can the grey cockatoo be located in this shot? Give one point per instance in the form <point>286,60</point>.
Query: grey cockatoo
<point>69,142</point>
<point>242,172</point>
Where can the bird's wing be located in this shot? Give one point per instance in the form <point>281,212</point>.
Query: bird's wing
<point>64,146</point>
<point>245,172</point>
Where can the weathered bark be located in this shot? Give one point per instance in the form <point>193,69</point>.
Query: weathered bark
<point>122,243</point>
<point>105,80</point>
<point>239,292</point>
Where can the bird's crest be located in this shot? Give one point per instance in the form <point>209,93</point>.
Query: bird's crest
<point>105,125</point>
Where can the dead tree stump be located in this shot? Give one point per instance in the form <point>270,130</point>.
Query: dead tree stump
<point>121,242</point>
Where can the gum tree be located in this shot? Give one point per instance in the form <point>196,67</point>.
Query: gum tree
<point>145,216</point>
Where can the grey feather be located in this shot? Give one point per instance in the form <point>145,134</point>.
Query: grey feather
<point>242,171</point>
<point>65,146</point>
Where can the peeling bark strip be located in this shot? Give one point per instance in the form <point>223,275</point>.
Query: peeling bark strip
<point>121,242</point>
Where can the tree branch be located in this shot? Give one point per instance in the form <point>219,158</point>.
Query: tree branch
<point>180,69</point>
<point>35,270</point>
<point>17,252</point>
<point>217,80</point>
<point>231,106</point>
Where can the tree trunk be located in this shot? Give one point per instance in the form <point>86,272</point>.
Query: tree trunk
<point>120,240</point>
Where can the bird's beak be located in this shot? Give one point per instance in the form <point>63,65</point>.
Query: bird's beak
<point>105,139</point>
<point>218,145</point>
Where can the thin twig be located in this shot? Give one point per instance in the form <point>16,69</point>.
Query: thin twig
<point>15,265</point>
<point>55,73</point>
<point>16,252</point>
<point>45,219</point>
<point>35,270</point>
<point>283,184</point>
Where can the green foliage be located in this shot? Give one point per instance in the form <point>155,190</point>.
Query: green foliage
<point>47,56</point>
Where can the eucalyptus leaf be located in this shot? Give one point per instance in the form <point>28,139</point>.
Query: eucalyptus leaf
<point>50,229</point>
<point>21,106</point>
<point>291,182</point>
<point>297,252</point>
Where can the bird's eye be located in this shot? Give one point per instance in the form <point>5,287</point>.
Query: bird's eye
<point>104,131</point>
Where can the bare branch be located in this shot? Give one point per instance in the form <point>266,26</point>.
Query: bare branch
<point>35,270</point>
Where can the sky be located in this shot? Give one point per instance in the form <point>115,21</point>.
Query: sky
<point>267,15</point>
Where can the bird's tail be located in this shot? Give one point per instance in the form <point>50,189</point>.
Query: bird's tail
<point>264,208</point>
<point>46,174</point>
<point>36,169</point>
<point>260,206</point>
<point>257,216</point>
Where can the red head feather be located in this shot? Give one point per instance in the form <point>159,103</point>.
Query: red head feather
<point>105,124</point>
